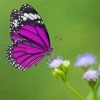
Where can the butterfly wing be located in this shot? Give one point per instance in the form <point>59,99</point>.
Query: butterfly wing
<point>29,24</point>
<point>14,24</point>
<point>30,38</point>
<point>31,20</point>
<point>22,54</point>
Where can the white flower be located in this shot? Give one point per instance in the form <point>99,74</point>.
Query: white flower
<point>55,62</point>
<point>85,60</point>
<point>91,75</point>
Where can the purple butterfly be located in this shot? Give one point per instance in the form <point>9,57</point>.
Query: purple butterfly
<point>30,38</point>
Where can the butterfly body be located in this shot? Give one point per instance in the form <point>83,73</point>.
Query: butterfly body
<point>30,38</point>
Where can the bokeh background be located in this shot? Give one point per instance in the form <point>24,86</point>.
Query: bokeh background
<point>77,22</point>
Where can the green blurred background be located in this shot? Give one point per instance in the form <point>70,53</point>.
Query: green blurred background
<point>79,23</point>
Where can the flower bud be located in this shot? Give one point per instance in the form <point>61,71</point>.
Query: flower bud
<point>65,66</point>
<point>58,73</point>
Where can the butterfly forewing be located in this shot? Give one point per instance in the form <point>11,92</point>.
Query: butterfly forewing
<point>29,18</point>
<point>14,24</point>
<point>23,54</point>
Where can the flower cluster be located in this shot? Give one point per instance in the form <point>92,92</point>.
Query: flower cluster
<point>55,62</point>
<point>59,66</point>
<point>87,61</point>
<point>91,74</point>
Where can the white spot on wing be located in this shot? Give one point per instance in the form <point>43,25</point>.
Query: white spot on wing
<point>24,18</point>
<point>30,16</point>
<point>15,22</point>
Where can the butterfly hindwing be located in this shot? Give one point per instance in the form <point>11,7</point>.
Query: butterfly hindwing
<point>23,54</point>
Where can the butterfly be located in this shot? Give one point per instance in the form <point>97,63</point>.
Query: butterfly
<point>30,38</point>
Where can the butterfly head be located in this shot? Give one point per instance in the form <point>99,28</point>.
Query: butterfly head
<point>49,52</point>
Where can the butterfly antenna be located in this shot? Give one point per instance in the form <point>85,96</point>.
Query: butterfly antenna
<point>56,40</point>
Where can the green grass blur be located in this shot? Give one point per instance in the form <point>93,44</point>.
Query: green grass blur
<point>79,23</point>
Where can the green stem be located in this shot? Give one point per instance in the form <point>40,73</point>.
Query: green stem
<point>73,91</point>
<point>98,83</point>
<point>94,94</point>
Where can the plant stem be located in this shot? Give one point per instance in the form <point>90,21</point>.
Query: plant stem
<point>73,91</point>
<point>98,84</point>
<point>94,94</point>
